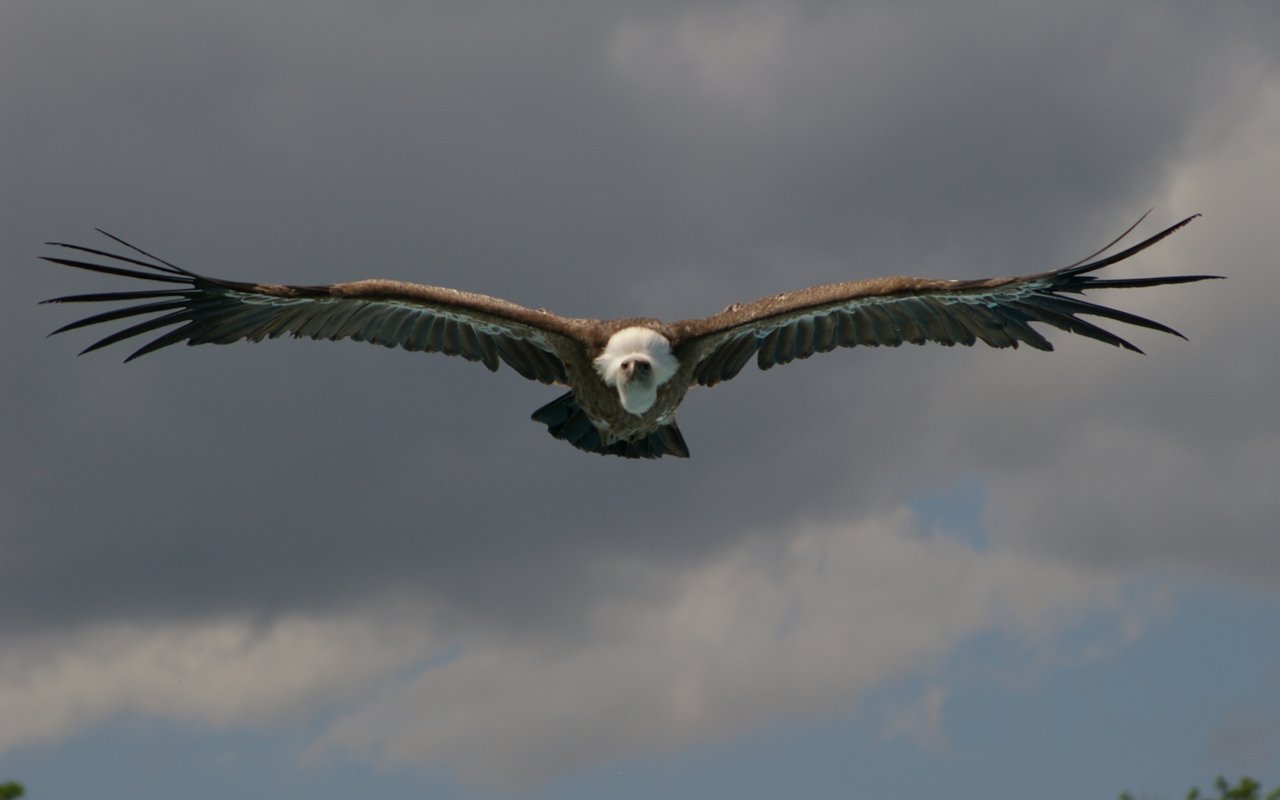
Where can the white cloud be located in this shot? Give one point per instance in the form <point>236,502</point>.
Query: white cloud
<point>921,722</point>
<point>778,627</point>
<point>226,672</point>
<point>1175,466</point>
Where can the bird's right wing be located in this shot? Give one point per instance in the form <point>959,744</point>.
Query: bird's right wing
<point>390,313</point>
<point>890,311</point>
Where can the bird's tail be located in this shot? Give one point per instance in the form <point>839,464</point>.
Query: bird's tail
<point>566,420</point>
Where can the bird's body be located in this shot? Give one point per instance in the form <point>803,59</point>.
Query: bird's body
<point>626,377</point>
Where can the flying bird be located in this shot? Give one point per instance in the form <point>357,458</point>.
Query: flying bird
<point>626,377</point>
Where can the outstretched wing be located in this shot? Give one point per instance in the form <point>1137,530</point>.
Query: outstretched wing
<point>890,311</point>
<point>390,313</point>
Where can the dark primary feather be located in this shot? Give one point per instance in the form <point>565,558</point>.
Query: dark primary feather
<point>890,311</point>
<point>202,310</point>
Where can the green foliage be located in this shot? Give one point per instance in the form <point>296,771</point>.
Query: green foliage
<point>11,790</point>
<point>1246,789</point>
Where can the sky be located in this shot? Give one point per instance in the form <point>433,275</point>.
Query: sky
<point>325,570</point>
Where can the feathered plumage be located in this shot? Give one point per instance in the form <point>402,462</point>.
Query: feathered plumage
<point>626,376</point>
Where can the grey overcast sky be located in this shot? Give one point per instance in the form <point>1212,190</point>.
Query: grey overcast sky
<point>315,569</point>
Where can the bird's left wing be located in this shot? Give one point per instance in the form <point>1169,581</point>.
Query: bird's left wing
<point>391,313</point>
<point>890,311</point>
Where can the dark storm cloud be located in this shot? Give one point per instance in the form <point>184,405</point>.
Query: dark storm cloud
<point>594,160</point>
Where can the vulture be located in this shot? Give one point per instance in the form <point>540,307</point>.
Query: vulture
<point>625,377</point>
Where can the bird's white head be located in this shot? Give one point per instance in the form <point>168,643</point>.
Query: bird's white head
<point>637,361</point>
